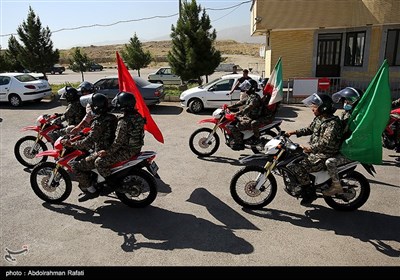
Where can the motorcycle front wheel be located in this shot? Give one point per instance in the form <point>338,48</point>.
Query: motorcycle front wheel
<point>198,144</point>
<point>25,151</point>
<point>55,191</point>
<point>356,192</point>
<point>138,189</point>
<point>243,189</point>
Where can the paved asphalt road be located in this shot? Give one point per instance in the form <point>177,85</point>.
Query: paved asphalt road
<point>194,221</point>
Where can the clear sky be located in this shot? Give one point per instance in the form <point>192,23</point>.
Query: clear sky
<point>149,19</point>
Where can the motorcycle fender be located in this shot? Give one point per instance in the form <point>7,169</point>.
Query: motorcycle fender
<point>31,127</point>
<point>214,121</point>
<point>49,153</point>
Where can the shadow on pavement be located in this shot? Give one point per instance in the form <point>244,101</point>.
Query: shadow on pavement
<point>163,109</point>
<point>45,104</point>
<point>165,229</point>
<point>375,228</point>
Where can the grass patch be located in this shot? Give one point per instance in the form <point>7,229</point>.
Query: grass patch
<point>176,90</point>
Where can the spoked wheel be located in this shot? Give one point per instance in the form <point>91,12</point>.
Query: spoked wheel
<point>200,146</point>
<point>50,183</point>
<point>263,140</point>
<point>243,188</point>
<point>356,192</point>
<point>25,151</point>
<point>138,189</point>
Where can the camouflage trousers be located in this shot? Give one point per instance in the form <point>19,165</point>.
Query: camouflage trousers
<point>256,124</point>
<point>307,166</point>
<point>244,123</point>
<point>104,164</point>
<point>332,164</point>
<point>82,170</point>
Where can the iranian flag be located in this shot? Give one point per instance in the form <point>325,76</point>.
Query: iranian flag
<point>274,86</point>
<point>127,84</point>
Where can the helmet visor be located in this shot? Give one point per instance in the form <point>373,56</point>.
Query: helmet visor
<point>313,99</point>
<point>86,99</point>
<point>350,94</point>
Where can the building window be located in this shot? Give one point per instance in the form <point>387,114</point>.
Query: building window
<point>392,53</point>
<point>354,52</point>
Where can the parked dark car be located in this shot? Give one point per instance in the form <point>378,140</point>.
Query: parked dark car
<point>57,68</point>
<point>152,93</point>
<point>95,67</point>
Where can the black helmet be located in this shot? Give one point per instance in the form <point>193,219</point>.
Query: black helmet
<point>85,88</point>
<point>352,95</point>
<point>322,100</point>
<point>99,103</point>
<point>124,100</point>
<point>71,94</point>
<point>253,87</point>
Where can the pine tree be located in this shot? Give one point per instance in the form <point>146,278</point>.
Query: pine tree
<point>193,53</point>
<point>79,62</point>
<point>35,52</point>
<point>134,55</point>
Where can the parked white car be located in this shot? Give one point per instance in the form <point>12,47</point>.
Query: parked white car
<point>20,87</point>
<point>213,94</point>
<point>164,75</point>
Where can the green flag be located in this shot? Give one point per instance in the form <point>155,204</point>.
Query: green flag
<point>368,120</point>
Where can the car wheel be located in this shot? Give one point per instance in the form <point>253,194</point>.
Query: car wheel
<point>15,100</point>
<point>196,106</point>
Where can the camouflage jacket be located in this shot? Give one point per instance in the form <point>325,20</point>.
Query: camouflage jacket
<point>130,133</point>
<point>326,137</point>
<point>74,113</point>
<point>101,135</point>
<point>252,106</point>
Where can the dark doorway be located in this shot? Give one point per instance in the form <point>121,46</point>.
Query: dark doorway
<point>328,56</point>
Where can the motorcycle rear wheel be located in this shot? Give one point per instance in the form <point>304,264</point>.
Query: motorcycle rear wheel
<point>140,189</point>
<point>56,192</point>
<point>197,142</point>
<point>242,188</point>
<point>357,190</point>
<point>23,154</point>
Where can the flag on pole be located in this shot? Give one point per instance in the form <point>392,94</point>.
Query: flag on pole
<point>274,86</point>
<point>369,119</point>
<point>127,84</point>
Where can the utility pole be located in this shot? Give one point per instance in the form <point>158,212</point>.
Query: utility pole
<point>180,8</point>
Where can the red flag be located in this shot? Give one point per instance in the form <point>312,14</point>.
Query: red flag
<point>127,84</point>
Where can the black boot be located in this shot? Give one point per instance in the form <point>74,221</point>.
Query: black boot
<point>88,195</point>
<point>309,196</point>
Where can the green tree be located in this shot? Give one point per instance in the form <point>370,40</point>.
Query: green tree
<point>35,52</point>
<point>193,53</point>
<point>79,62</point>
<point>134,55</point>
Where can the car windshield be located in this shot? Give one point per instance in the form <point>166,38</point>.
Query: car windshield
<point>25,78</point>
<point>209,83</point>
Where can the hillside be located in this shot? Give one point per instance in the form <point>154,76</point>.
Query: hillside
<point>159,51</point>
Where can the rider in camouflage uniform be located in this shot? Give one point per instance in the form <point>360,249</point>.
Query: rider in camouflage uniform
<point>129,136</point>
<point>100,137</point>
<point>247,116</point>
<point>326,138</point>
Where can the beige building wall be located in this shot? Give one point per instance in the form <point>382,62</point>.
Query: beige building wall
<point>295,47</point>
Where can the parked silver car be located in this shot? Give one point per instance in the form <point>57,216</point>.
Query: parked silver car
<point>152,93</point>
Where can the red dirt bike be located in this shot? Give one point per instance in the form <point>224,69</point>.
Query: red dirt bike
<point>205,141</point>
<point>389,139</point>
<point>29,146</point>
<point>135,187</point>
